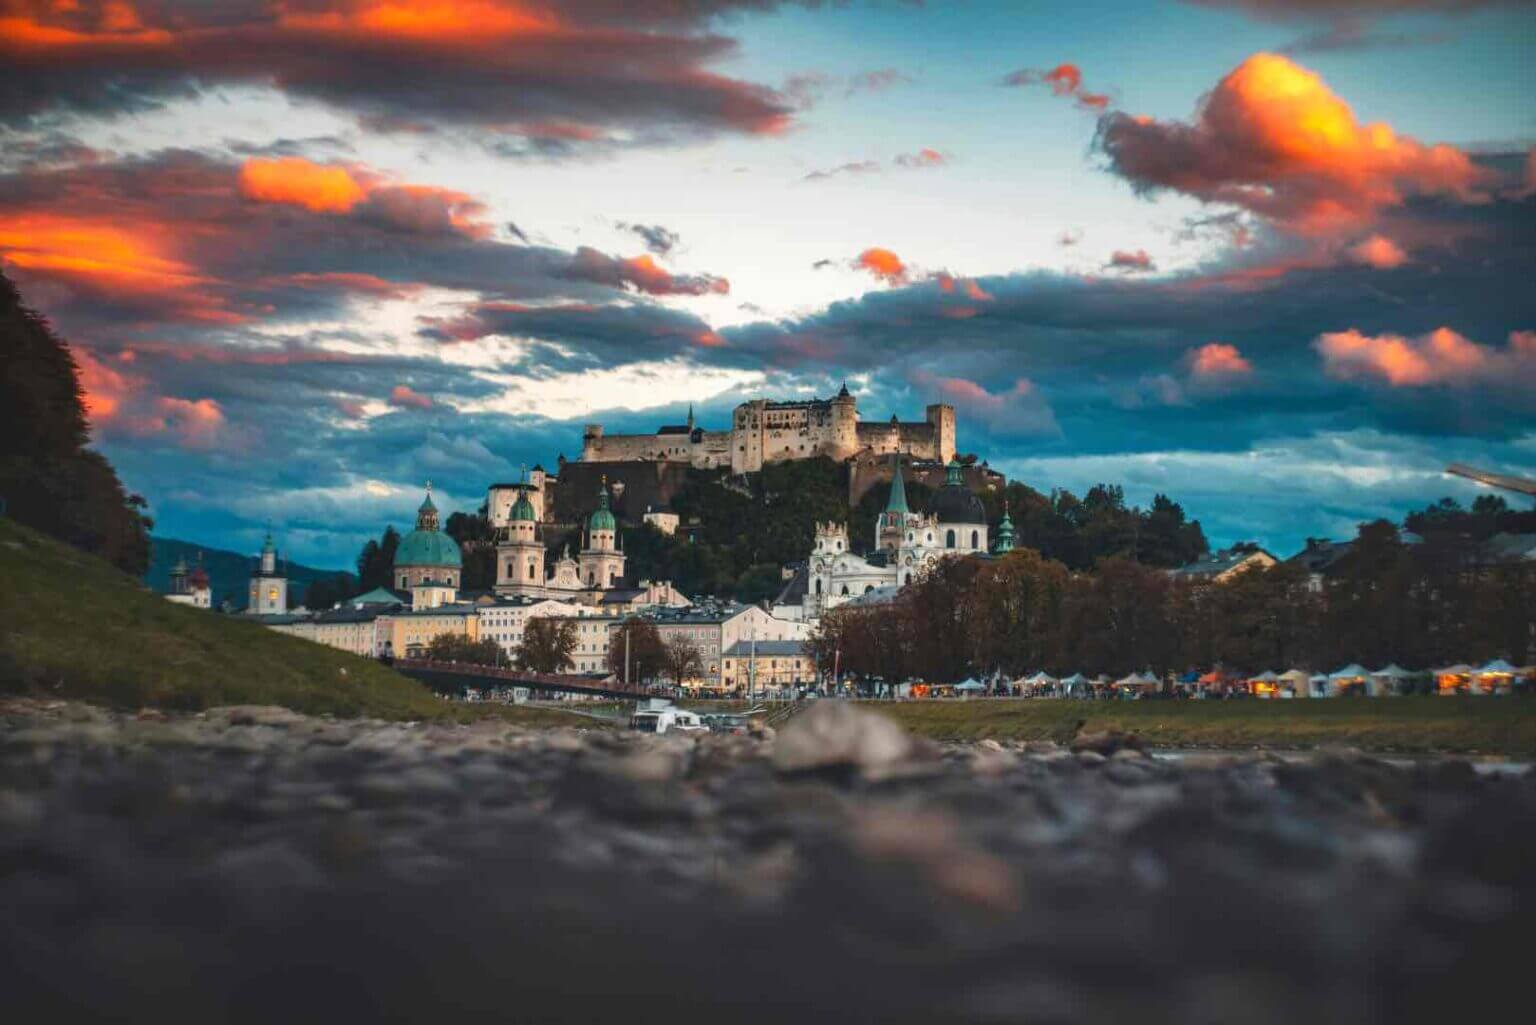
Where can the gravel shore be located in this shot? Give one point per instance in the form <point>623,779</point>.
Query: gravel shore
<point>257,865</point>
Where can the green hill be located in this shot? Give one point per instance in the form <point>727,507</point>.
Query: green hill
<point>228,572</point>
<point>72,626</point>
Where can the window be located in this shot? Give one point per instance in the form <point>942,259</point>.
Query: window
<point>949,539</point>
<point>818,585</point>
<point>975,539</point>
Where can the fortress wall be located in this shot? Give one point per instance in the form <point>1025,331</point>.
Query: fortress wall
<point>620,447</point>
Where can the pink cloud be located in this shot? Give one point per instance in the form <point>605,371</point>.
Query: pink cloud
<point>406,398</point>
<point>1020,410</point>
<point>1441,357</point>
<point>1136,261</point>
<point>1377,251</point>
<point>1064,80</point>
<point>1219,361</point>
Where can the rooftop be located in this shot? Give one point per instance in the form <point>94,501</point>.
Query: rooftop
<point>766,649</point>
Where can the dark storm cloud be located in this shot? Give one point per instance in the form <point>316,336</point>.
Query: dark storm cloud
<point>572,72</point>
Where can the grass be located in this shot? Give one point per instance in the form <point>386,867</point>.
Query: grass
<point>1408,725</point>
<point>72,626</point>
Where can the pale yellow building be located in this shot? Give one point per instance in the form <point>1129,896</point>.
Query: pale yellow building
<point>767,664</point>
<point>413,629</point>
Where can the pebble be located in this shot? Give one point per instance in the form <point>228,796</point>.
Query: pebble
<point>170,866</point>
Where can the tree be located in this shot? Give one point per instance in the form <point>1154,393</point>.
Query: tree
<point>451,647</point>
<point>473,533</point>
<point>49,480</point>
<point>327,591</point>
<point>680,659</point>
<point>547,645</point>
<point>636,641</point>
<point>376,562</point>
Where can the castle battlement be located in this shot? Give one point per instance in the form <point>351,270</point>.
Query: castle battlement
<point>768,431</point>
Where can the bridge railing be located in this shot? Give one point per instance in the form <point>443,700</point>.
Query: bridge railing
<point>522,678</point>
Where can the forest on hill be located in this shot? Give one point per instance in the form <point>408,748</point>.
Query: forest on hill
<point>737,533</point>
<point>49,479</point>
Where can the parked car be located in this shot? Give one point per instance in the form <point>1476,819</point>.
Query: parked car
<point>738,725</point>
<point>667,720</point>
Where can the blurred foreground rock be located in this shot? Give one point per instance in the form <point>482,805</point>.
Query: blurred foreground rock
<point>248,866</point>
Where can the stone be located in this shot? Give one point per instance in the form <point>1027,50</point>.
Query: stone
<point>256,715</point>
<point>1105,742</point>
<point>835,734</point>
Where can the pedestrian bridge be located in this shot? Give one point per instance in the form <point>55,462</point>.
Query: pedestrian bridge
<point>468,674</point>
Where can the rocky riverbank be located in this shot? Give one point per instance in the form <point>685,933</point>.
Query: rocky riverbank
<point>254,865</point>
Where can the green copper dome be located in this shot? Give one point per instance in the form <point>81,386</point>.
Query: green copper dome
<point>522,509</point>
<point>602,518</point>
<point>427,545</point>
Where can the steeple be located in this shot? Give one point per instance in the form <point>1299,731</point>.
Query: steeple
<point>1004,541</point>
<point>954,474</point>
<point>426,515</point>
<point>690,418</point>
<point>898,499</point>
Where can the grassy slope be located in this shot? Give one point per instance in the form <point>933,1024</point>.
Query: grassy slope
<point>1408,724</point>
<point>71,626</point>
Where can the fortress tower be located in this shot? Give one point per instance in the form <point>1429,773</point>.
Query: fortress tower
<point>601,562</point>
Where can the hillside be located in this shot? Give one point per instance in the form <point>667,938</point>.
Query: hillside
<point>228,572</point>
<point>74,627</point>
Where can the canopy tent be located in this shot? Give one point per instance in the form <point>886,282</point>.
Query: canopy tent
<point>1494,676</point>
<point>1352,678</point>
<point>1076,681</point>
<point>1394,672</point>
<point>1267,676</point>
<point>1193,676</point>
<point>1265,684</point>
<point>1296,676</point>
<point>970,686</point>
<point>1040,679</point>
<point>1456,679</point>
<point>1353,671</point>
<point>1137,680</point>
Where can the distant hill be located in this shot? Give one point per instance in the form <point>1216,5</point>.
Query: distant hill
<point>228,572</point>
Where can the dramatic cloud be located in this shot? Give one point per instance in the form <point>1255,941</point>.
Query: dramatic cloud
<point>657,239</point>
<point>1017,411</point>
<point>1442,357</point>
<point>1377,251</point>
<point>299,182</point>
<point>641,273</point>
<point>1131,261</point>
<point>1274,139</point>
<point>1218,361</point>
<point>579,70</point>
<point>883,264</point>
<point>1063,80</point>
<point>123,404</point>
<point>404,397</point>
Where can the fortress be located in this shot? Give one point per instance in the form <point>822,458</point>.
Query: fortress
<point>765,432</point>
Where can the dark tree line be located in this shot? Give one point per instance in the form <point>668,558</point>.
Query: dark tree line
<point>1420,605</point>
<point>49,479</point>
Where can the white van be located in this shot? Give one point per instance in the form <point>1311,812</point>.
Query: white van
<point>665,720</point>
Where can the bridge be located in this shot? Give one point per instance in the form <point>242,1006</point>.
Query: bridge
<point>467,674</point>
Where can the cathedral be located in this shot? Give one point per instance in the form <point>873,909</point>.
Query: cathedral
<point>596,569</point>
<point>906,542</point>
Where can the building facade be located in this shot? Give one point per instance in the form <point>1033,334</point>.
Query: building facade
<point>190,586</point>
<point>427,556</point>
<point>906,543</point>
<point>764,431</point>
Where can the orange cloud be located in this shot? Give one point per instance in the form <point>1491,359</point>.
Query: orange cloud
<point>1019,410</point>
<point>1063,80</point>
<point>1377,251</point>
<point>641,273</point>
<point>1441,357</point>
<point>119,403</point>
<point>407,398</point>
<point>1131,260</point>
<point>1274,139</point>
<point>298,182</point>
<point>1217,360</point>
<point>883,264</point>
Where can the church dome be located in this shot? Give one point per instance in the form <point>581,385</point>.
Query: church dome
<point>522,509</point>
<point>602,516</point>
<point>956,503</point>
<point>427,545</point>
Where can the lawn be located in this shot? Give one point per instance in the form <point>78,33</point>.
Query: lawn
<point>71,626</point>
<point>1416,725</point>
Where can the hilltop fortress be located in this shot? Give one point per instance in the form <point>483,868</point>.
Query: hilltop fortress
<point>763,431</point>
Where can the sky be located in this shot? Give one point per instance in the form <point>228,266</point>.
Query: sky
<point>1273,259</point>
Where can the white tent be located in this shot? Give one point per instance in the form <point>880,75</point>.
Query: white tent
<point>1040,679</point>
<point>1137,680</point>
<point>1298,681</point>
<point>1351,674</point>
<point>970,686</point>
<point>1493,676</point>
<point>1498,666</point>
<point>1388,679</point>
<point>1075,682</point>
<point>1267,676</point>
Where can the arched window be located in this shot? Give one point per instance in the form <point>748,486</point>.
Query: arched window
<point>591,578</point>
<point>818,585</point>
<point>845,588</point>
<point>530,570</point>
<point>949,539</point>
<point>868,588</point>
<point>975,539</point>
<point>930,538</point>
